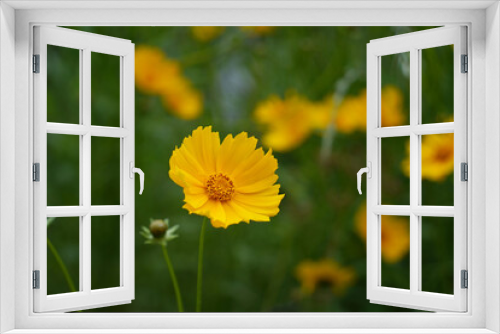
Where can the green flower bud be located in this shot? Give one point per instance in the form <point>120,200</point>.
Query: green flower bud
<point>159,232</point>
<point>158,228</point>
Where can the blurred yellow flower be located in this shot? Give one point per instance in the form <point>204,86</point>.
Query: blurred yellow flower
<point>313,274</point>
<point>156,74</point>
<point>395,235</point>
<point>392,106</point>
<point>291,120</point>
<point>152,69</point>
<point>321,113</point>
<point>206,33</point>
<point>437,157</point>
<point>258,30</point>
<point>351,114</point>
<point>228,182</point>
<point>182,99</point>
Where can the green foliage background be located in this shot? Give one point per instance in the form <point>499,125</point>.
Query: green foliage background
<point>248,268</point>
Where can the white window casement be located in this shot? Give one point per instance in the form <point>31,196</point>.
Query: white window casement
<point>86,44</point>
<point>473,27</point>
<point>414,44</point>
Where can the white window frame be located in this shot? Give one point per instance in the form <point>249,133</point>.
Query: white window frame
<point>16,125</point>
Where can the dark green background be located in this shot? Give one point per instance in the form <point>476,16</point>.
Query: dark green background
<point>248,268</point>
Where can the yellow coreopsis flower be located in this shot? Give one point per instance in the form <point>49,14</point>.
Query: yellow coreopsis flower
<point>207,33</point>
<point>291,120</point>
<point>228,182</point>
<point>311,274</point>
<point>437,157</point>
<point>258,30</point>
<point>351,114</point>
<point>395,235</point>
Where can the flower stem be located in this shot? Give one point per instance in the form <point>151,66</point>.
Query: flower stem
<point>200,266</point>
<point>61,264</point>
<point>180,307</point>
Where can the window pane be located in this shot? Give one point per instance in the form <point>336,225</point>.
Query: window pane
<point>437,84</point>
<point>437,254</point>
<point>395,255</point>
<point>105,238</point>
<point>63,254</point>
<point>105,171</point>
<point>395,171</point>
<point>437,169</point>
<point>395,102</point>
<point>63,85</point>
<point>105,89</point>
<point>63,170</point>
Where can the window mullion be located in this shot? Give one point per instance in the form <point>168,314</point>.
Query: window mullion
<point>81,203</point>
<point>415,262</point>
<point>85,165</point>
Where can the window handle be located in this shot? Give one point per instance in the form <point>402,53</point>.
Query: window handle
<point>141,176</point>
<point>368,171</point>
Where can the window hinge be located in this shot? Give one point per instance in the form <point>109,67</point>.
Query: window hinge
<point>36,63</point>
<point>36,172</point>
<point>464,172</point>
<point>36,279</point>
<point>465,64</point>
<point>464,279</point>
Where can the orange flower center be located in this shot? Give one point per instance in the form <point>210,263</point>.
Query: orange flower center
<point>220,187</point>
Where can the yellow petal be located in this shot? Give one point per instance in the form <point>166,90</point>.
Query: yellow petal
<point>274,190</point>
<point>209,146</point>
<point>203,210</point>
<point>232,217</point>
<point>265,211</point>
<point>183,161</point>
<point>189,208</point>
<point>252,160</point>
<point>218,223</point>
<point>174,176</point>
<point>195,190</point>
<point>203,145</point>
<point>259,201</point>
<point>183,178</point>
<point>217,212</point>
<point>224,151</point>
<point>195,200</point>
<point>248,213</point>
<point>236,150</point>
<point>259,185</point>
<point>262,169</point>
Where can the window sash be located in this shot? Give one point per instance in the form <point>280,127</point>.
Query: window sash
<point>86,43</point>
<point>413,43</point>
